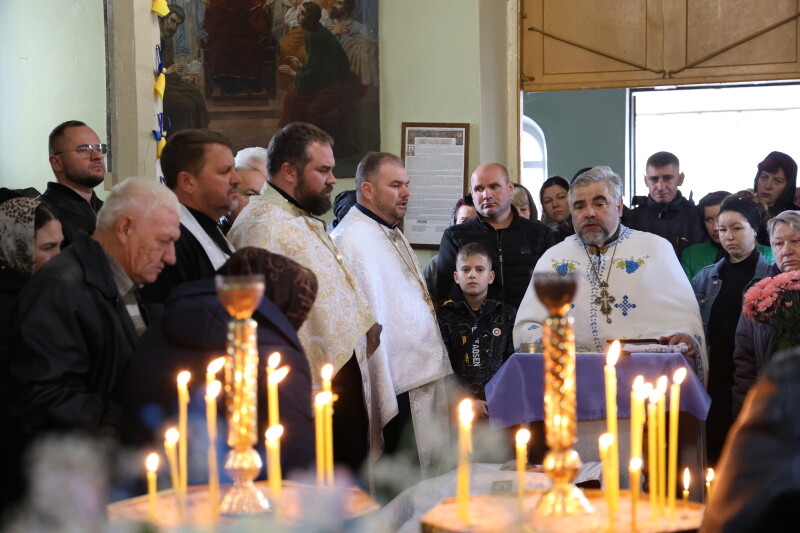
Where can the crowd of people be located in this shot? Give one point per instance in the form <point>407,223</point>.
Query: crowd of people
<point>92,338</point>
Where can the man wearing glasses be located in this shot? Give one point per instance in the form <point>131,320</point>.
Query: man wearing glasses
<point>77,158</point>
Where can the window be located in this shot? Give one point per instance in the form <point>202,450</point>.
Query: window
<point>719,133</point>
<point>533,153</point>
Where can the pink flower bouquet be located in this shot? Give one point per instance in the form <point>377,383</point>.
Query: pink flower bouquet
<point>776,301</point>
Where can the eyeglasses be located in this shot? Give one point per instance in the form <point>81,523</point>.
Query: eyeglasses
<point>85,150</point>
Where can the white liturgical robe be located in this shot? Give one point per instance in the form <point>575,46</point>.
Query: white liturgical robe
<point>651,295</point>
<point>340,317</point>
<point>412,356</point>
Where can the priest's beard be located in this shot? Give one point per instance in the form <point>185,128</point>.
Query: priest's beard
<point>316,203</point>
<point>594,236</point>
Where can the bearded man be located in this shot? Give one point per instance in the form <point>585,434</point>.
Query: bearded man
<point>631,284</point>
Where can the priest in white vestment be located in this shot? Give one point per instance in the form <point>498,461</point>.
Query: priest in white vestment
<point>630,283</point>
<point>412,357</point>
<point>284,220</point>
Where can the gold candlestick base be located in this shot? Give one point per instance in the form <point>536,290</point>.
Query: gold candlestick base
<point>243,498</point>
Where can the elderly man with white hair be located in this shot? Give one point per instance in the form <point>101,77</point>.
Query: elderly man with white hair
<point>630,285</point>
<point>78,320</point>
<point>251,165</point>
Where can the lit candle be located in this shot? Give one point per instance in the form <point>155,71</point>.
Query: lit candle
<point>320,401</point>
<point>465,416</point>
<point>612,484</point>
<point>272,390</point>
<point>183,406</point>
<point>661,386</point>
<point>327,374</point>
<point>213,368</point>
<point>274,460</point>
<point>709,479</point>
<point>637,417</point>
<point>523,436</point>
<point>652,462</point>
<point>686,481</point>
<point>635,471</point>
<point>674,409</point>
<point>273,379</point>
<point>212,391</point>
<point>606,445</point>
<point>171,438</point>
<point>328,409</point>
<point>151,463</point>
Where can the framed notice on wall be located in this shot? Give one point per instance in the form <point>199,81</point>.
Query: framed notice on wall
<point>435,155</point>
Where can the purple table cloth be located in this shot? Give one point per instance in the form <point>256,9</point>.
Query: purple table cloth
<point>515,395</point>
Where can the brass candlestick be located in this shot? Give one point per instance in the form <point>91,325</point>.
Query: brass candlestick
<point>241,295</point>
<point>562,463</point>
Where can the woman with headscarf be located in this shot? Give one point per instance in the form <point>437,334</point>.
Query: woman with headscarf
<point>719,289</point>
<point>708,252</point>
<point>757,342</point>
<point>30,235</point>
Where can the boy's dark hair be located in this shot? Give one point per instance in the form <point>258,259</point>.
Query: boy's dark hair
<point>473,248</point>
<point>185,151</point>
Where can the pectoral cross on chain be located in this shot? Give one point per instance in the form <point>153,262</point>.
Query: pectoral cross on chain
<point>604,301</point>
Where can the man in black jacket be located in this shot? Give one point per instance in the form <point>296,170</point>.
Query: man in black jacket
<point>665,211</point>
<point>514,242</point>
<point>78,320</point>
<point>77,158</point>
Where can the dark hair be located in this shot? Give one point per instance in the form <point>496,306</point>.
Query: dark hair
<point>554,180</point>
<point>290,145</point>
<point>461,202</point>
<point>313,11</point>
<point>578,173</point>
<point>745,208</point>
<point>709,200</point>
<point>58,133</point>
<point>185,150</point>
<point>474,248</point>
<point>662,159</point>
<point>178,10</point>
<point>772,163</point>
<point>42,215</point>
<point>371,165</point>
<point>342,204</point>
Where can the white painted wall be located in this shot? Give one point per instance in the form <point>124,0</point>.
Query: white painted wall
<point>52,60</point>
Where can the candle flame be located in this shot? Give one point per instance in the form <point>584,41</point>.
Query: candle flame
<point>636,464</point>
<point>212,391</point>
<point>171,436</point>
<point>661,385</point>
<point>184,377</point>
<point>638,383</point>
<point>647,390</point>
<point>465,414</point>
<point>278,375</point>
<point>679,376</point>
<point>327,372</point>
<point>151,463</point>
<point>686,478</point>
<point>274,360</point>
<point>613,353</point>
<point>709,475</point>
<point>274,433</point>
<point>323,398</point>
<point>216,365</point>
<point>523,436</point>
<point>606,440</point>
<point>654,396</point>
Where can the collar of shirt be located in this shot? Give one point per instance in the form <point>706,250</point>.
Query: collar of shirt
<point>210,226</point>
<point>374,217</point>
<point>122,280</point>
<point>288,198</point>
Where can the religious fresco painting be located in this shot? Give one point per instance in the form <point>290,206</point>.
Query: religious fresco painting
<point>248,67</point>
